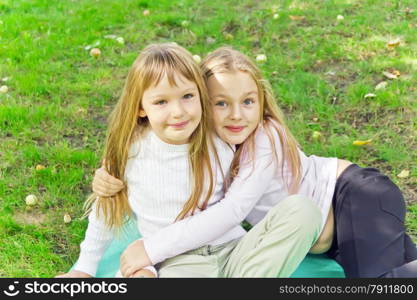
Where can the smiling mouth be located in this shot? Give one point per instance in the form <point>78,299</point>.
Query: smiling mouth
<point>235,129</point>
<point>179,125</point>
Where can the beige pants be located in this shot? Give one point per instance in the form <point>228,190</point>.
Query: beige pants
<point>272,248</point>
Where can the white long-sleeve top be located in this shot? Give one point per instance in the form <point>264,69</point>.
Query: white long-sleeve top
<point>159,183</point>
<point>258,187</point>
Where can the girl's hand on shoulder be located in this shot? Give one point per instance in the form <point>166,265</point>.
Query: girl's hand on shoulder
<point>74,274</point>
<point>105,185</point>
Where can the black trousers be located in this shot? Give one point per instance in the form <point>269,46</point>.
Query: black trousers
<point>370,238</point>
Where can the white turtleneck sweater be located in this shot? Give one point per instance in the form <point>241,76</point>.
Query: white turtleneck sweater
<point>159,183</point>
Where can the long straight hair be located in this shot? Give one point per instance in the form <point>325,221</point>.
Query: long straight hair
<point>229,60</point>
<point>125,127</point>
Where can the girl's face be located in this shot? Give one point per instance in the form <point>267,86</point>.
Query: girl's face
<point>174,112</point>
<point>236,109</point>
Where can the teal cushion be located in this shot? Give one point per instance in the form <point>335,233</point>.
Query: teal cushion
<point>318,266</point>
<point>313,266</point>
<point>110,263</point>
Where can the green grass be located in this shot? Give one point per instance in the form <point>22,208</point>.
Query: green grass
<point>59,97</point>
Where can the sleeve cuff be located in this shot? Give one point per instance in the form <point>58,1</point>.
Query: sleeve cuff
<point>152,269</point>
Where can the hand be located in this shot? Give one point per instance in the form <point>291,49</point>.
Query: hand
<point>143,273</point>
<point>105,185</point>
<point>74,274</point>
<point>134,258</point>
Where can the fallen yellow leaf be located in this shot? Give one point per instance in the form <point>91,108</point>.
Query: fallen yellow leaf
<point>4,89</point>
<point>370,95</point>
<point>31,200</point>
<point>197,58</point>
<point>297,18</point>
<point>40,167</point>
<point>361,143</point>
<point>261,58</point>
<point>316,135</point>
<point>394,43</point>
<point>95,52</point>
<point>380,86</point>
<point>394,75</point>
<point>67,218</point>
<point>404,174</point>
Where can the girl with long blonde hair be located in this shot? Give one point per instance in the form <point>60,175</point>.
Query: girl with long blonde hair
<point>362,211</point>
<point>159,141</point>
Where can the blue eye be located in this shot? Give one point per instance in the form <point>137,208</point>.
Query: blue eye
<point>188,96</point>
<point>220,103</point>
<point>160,102</point>
<point>248,101</point>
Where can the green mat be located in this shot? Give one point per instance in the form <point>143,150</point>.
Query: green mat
<point>313,266</point>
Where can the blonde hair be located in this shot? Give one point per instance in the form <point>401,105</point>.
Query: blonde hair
<point>226,59</point>
<point>153,63</point>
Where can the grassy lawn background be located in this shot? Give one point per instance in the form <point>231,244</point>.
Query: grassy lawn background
<point>59,97</point>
